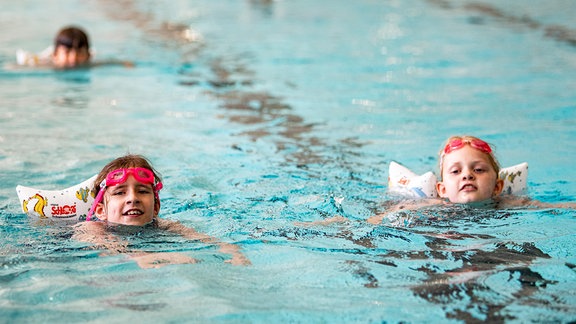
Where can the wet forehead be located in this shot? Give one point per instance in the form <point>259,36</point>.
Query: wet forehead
<point>465,156</point>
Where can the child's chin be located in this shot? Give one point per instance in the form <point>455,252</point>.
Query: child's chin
<point>137,221</point>
<point>478,203</point>
<point>471,197</point>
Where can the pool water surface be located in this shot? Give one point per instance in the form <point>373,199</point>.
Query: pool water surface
<point>266,116</point>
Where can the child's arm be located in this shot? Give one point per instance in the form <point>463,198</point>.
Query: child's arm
<point>325,222</point>
<point>377,219</point>
<point>515,201</point>
<point>128,64</point>
<point>148,260</point>
<point>176,227</point>
<point>405,205</point>
<point>96,234</point>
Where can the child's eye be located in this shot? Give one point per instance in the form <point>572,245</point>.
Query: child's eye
<point>454,171</point>
<point>117,193</point>
<point>479,170</point>
<point>143,190</point>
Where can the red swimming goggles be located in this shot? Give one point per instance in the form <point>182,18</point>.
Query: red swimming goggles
<point>119,176</point>
<point>475,143</point>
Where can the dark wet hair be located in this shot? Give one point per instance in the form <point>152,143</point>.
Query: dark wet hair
<point>72,37</point>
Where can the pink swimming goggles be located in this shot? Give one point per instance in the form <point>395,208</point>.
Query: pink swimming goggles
<point>475,143</point>
<point>119,176</point>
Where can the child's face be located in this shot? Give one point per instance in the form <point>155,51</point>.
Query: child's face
<point>129,203</point>
<point>468,176</point>
<point>65,57</point>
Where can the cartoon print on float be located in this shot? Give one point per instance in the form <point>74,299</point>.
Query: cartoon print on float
<point>69,204</point>
<point>41,202</point>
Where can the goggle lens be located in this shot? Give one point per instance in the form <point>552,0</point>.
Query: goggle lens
<point>119,176</point>
<point>475,143</point>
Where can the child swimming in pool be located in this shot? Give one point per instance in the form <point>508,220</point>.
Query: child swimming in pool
<point>71,50</point>
<point>127,194</point>
<point>469,175</point>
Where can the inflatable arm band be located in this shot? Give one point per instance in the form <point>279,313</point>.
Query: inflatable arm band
<point>32,59</point>
<point>69,204</point>
<point>26,58</point>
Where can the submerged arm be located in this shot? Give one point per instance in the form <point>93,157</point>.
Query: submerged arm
<point>404,205</point>
<point>176,227</point>
<point>97,234</point>
<point>514,201</point>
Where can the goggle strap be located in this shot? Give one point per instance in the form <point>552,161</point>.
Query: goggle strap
<point>96,202</point>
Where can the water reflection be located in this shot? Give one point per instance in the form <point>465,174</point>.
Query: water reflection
<point>72,89</point>
<point>483,13</point>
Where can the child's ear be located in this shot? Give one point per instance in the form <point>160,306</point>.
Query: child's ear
<point>498,188</point>
<point>156,207</point>
<point>441,189</point>
<point>100,212</point>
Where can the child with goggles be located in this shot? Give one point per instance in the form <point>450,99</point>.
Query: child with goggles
<point>469,174</point>
<point>468,171</point>
<point>127,194</point>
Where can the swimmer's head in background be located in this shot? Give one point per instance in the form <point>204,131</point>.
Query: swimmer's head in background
<point>71,48</point>
<point>457,142</point>
<point>72,38</point>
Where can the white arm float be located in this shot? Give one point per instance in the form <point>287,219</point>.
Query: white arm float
<point>69,204</point>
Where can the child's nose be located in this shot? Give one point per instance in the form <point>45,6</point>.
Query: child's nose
<point>468,175</point>
<point>132,197</point>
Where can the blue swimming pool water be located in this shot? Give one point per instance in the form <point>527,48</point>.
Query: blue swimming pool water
<point>261,115</point>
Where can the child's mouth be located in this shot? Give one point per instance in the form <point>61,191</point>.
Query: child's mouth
<point>468,187</point>
<point>133,213</point>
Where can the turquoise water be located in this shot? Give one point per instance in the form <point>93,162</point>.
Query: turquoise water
<point>261,115</point>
